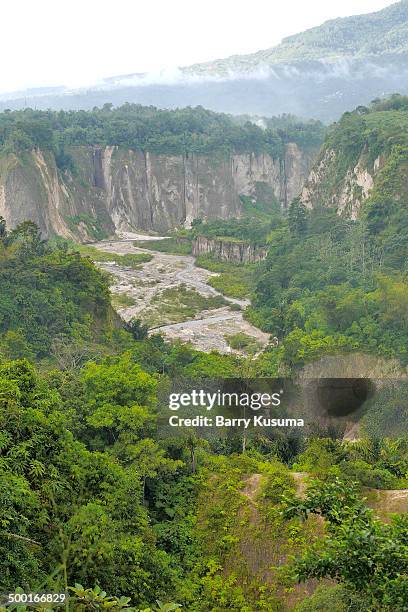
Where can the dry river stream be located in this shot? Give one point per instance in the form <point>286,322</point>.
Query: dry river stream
<point>207,329</point>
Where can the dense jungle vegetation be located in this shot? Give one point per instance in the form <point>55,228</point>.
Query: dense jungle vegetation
<point>330,283</point>
<point>93,496</point>
<point>187,130</point>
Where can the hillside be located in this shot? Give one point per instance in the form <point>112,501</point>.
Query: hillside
<point>362,168</point>
<point>372,35</point>
<point>51,300</point>
<point>155,520</point>
<point>335,277</point>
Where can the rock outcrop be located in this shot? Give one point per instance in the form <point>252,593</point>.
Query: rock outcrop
<point>110,189</point>
<point>228,250</point>
<point>346,193</point>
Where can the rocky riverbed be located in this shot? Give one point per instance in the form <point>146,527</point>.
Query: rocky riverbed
<point>145,294</point>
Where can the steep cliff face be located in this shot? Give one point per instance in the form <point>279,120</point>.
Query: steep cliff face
<point>363,164</point>
<point>111,189</point>
<point>228,250</point>
<point>285,177</point>
<point>346,190</point>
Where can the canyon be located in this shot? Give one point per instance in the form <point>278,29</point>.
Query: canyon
<point>112,189</point>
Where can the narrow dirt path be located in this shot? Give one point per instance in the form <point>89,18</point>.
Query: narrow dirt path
<point>207,330</point>
<point>300,479</point>
<point>251,490</point>
<point>251,487</point>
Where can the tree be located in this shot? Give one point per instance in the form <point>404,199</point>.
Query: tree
<point>28,237</point>
<point>367,556</point>
<point>297,218</point>
<point>68,513</point>
<point>138,330</point>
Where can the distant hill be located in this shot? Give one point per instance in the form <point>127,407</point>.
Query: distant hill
<point>374,35</point>
<point>319,73</point>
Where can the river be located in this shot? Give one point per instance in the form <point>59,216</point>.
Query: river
<point>206,331</point>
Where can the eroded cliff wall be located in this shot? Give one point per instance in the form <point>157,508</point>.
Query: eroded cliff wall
<point>234,251</point>
<point>362,168</point>
<point>111,189</point>
<point>343,187</point>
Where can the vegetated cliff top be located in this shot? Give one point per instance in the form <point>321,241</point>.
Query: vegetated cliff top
<point>359,36</point>
<point>378,130</point>
<point>194,130</point>
<point>337,283</point>
<point>383,122</point>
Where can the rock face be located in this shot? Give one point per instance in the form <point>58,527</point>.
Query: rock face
<point>228,250</point>
<point>346,193</point>
<point>112,189</point>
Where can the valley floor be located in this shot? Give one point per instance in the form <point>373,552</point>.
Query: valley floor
<point>172,296</point>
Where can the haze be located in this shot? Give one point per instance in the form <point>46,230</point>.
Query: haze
<point>77,43</point>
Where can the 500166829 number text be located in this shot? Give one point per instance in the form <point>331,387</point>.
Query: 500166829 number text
<point>33,599</point>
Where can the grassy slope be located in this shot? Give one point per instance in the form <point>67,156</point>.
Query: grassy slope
<point>249,538</point>
<point>233,280</point>
<point>242,500</point>
<point>129,260</point>
<point>178,304</point>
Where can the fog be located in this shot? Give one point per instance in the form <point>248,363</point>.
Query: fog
<point>79,44</point>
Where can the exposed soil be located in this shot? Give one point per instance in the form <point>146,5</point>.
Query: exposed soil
<point>300,479</point>
<point>252,486</point>
<point>263,555</point>
<point>386,502</point>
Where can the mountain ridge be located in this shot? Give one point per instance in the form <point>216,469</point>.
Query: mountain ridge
<point>311,44</point>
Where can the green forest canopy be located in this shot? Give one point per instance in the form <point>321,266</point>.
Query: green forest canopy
<point>194,130</point>
<point>90,492</point>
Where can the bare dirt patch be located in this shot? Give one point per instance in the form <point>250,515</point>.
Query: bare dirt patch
<point>387,502</point>
<point>300,479</point>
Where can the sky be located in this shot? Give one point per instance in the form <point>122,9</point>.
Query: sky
<point>78,42</point>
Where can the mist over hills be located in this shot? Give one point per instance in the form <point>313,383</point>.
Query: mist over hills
<point>366,36</point>
<point>318,73</point>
